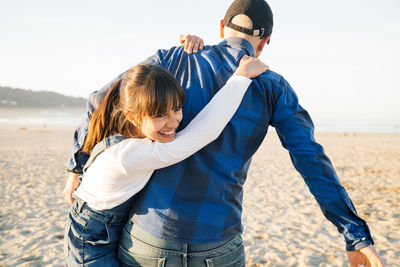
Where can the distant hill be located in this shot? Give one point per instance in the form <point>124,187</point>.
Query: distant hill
<point>14,97</point>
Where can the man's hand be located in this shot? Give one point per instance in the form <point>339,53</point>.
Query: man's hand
<point>70,186</point>
<point>367,257</point>
<point>191,43</point>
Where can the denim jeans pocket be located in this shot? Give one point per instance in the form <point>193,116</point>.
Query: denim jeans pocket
<point>128,259</point>
<point>96,232</point>
<point>234,258</point>
<point>89,229</point>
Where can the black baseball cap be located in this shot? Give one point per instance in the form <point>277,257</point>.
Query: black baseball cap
<point>257,10</point>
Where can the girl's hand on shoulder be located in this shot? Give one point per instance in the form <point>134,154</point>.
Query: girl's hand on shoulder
<point>251,67</point>
<point>191,43</point>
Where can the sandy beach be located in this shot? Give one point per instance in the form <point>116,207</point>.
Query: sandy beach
<point>283,224</point>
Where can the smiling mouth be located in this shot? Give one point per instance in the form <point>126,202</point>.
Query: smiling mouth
<point>168,134</point>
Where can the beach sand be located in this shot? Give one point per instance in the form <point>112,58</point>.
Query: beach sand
<point>283,224</point>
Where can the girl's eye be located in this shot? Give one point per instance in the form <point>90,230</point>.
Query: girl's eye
<point>178,109</point>
<point>160,115</point>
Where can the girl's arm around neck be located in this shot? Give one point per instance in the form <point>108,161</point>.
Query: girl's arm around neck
<point>203,129</point>
<point>136,154</point>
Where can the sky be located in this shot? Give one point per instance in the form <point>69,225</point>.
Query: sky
<point>340,56</point>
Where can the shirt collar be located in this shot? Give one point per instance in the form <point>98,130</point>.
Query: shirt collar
<point>241,43</point>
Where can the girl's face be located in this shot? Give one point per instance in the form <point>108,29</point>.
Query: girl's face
<point>162,128</point>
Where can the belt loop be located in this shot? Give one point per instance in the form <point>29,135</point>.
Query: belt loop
<point>114,219</point>
<point>80,203</point>
<point>185,259</point>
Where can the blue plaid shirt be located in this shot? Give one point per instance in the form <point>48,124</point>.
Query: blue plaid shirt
<point>199,200</point>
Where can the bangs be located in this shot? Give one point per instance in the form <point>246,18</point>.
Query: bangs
<point>164,94</point>
<point>164,99</point>
<point>150,91</point>
<point>156,93</point>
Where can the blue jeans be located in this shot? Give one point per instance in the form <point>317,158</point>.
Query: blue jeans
<point>92,236</point>
<point>139,248</point>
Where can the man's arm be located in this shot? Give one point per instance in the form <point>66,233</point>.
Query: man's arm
<point>296,132</point>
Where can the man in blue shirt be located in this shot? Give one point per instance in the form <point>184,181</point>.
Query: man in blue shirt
<point>190,213</point>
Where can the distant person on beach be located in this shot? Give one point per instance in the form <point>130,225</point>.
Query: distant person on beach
<point>131,134</point>
<point>189,214</point>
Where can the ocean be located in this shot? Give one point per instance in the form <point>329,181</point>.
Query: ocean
<point>70,117</point>
<point>65,117</point>
<point>343,125</point>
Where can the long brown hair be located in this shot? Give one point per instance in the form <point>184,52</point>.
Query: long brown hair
<point>144,90</point>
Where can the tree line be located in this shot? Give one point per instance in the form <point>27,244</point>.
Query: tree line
<point>15,97</point>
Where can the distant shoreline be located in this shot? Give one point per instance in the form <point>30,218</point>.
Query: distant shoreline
<point>71,116</point>
<point>46,116</point>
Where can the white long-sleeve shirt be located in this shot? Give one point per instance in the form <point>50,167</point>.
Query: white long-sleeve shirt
<point>123,169</point>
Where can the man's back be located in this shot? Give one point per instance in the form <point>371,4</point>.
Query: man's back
<point>200,199</point>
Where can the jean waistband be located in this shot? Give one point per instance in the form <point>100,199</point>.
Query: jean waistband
<point>111,216</point>
<point>143,236</point>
